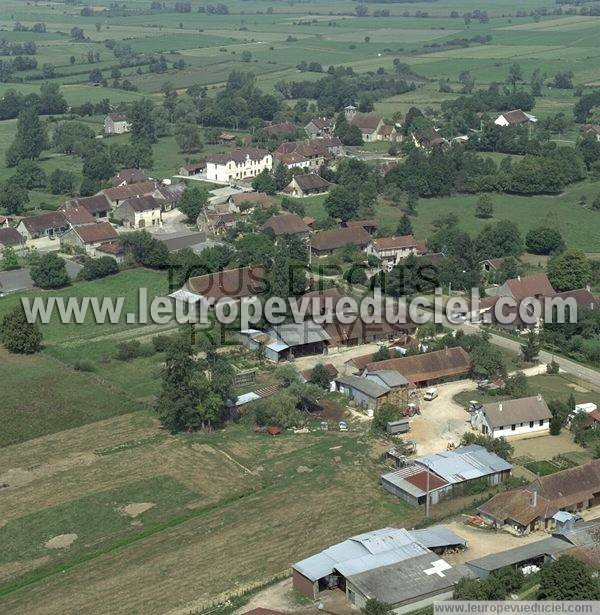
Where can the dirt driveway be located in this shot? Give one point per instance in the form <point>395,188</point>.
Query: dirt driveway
<point>336,358</point>
<point>442,420</point>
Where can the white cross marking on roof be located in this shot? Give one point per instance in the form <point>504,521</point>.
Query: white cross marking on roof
<point>438,567</point>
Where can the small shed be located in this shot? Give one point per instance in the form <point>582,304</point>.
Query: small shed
<point>397,427</point>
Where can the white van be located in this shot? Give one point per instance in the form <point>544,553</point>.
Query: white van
<point>430,394</point>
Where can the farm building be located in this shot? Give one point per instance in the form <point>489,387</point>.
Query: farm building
<point>429,367</point>
<point>246,202</point>
<point>51,224</point>
<point>534,553</point>
<point>306,374</point>
<point>306,185</point>
<point>11,238</point>
<point>139,212</point>
<point>90,237</point>
<point>194,169</point>
<point>231,284</point>
<point>286,341</point>
<point>119,194</point>
<point>97,205</point>
<point>344,334</point>
<point>326,242</point>
<point>513,418</point>
<point>371,225</point>
<point>446,474</point>
<point>77,215</point>
<point>116,124</point>
<point>128,176</point>
<point>320,127</point>
<point>285,224</point>
<point>399,567</point>
<point>533,507</point>
<point>366,393</point>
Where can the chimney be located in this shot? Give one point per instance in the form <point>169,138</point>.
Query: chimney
<point>500,407</point>
<point>534,499</point>
<point>588,288</point>
<point>519,278</point>
<point>539,396</point>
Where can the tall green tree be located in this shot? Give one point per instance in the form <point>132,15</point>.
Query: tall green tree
<point>9,259</point>
<point>569,270</point>
<point>31,138</point>
<point>568,579</point>
<point>141,119</point>
<point>49,271</point>
<point>13,198</point>
<point>192,202</point>
<point>17,334</point>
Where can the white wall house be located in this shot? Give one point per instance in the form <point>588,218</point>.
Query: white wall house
<point>514,118</point>
<point>238,164</point>
<point>139,212</point>
<point>391,250</point>
<point>514,418</point>
<point>116,124</point>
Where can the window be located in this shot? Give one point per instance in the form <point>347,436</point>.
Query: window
<point>541,422</point>
<point>531,424</point>
<point>501,428</point>
<point>513,427</point>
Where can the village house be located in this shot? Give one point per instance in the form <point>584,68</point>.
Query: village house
<point>243,163</point>
<point>90,237</point>
<point>307,184</point>
<point>513,418</point>
<point>401,568</point>
<point>445,474</point>
<point>372,127</point>
<point>139,212</point>
<point>391,250</point>
<point>231,285</point>
<point>247,202</point>
<point>491,265</point>
<point>11,238</point>
<point>516,117</point>
<point>326,242</point>
<point>303,154</point>
<point>98,205</point>
<point>169,195</point>
<point>114,250</point>
<point>78,215</point>
<point>116,124</point>
<point>280,225</point>
<point>429,367</point>
<point>284,129</point>
<point>119,194</point>
<point>533,507</point>
<point>322,302</point>
<point>370,225</point>
<point>128,176</point>
<point>216,222</point>
<point>193,170</point>
<point>591,129</point>
<point>320,127</point>
<point>52,224</point>
<point>428,138</point>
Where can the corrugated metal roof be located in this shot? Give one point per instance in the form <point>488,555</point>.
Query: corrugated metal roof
<point>495,561</point>
<point>363,552</point>
<point>389,377</point>
<point>437,536</point>
<point>364,385</point>
<point>464,463</point>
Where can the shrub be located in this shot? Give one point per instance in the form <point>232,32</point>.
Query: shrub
<point>83,365</point>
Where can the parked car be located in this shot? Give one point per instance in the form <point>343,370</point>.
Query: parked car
<point>430,394</point>
<point>343,426</point>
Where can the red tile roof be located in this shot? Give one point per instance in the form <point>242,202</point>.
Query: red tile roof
<point>395,243</point>
<point>285,224</point>
<point>10,237</point>
<point>420,480</point>
<point>232,283</point>
<point>530,286</point>
<point>120,193</point>
<point>94,233</point>
<point>78,215</point>
<point>338,238</point>
<point>428,366</point>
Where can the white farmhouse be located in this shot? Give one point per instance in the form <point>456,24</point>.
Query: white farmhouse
<point>139,212</point>
<point>116,124</point>
<point>515,117</point>
<point>391,250</point>
<point>514,418</point>
<point>238,164</point>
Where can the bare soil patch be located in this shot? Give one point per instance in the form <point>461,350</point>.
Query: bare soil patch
<point>136,509</point>
<point>62,541</point>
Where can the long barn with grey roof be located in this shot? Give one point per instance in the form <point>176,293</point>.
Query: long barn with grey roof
<point>400,567</point>
<point>443,475</point>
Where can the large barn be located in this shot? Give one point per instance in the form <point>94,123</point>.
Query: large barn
<point>399,567</point>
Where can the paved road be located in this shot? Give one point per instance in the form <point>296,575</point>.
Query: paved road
<point>586,373</point>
